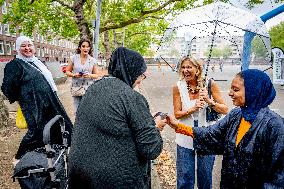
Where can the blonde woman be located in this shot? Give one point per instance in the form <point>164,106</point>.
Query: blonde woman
<point>189,100</point>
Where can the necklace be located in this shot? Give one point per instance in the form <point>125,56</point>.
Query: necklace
<point>191,90</point>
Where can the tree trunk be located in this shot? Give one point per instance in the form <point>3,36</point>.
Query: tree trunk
<point>115,39</point>
<point>107,47</point>
<point>4,113</point>
<point>85,32</point>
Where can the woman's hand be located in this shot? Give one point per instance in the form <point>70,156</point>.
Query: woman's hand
<point>160,123</point>
<point>172,121</point>
<point>77,75</point>
<point>199,104</point>
<point>203,95</point>
<point>86,75</point>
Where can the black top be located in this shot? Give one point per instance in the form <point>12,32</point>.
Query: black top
<point>28,86</point>
<point>114,138</point>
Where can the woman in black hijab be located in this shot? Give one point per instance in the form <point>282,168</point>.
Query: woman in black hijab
<point>115,135</point>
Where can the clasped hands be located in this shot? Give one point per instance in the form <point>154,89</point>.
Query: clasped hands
<point>84,75</point>
<point>173,123</point>
<point>169,119</point>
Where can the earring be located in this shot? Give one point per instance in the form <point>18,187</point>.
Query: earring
<point>196,74</point>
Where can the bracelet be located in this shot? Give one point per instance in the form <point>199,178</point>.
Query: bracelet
<point>213,104</point>
<point>187,112</point>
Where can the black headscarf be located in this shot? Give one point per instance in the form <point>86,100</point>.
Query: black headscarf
<point>127,65</point>
<point>259,93</point>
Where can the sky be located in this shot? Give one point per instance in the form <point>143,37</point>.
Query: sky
<point>261,9</point>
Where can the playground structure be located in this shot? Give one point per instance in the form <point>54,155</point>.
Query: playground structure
<point>248,37</point>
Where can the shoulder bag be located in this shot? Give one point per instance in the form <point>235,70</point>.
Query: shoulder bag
<point>78,90</point>
<point>211,114</point>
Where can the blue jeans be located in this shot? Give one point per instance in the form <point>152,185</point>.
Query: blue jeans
<point>185,166</point>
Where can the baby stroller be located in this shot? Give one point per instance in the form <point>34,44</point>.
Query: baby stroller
<point>45,168</point>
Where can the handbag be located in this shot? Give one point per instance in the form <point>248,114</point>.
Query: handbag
<point>78,90</point>
<point>211,114</point>
<point>20,120</point>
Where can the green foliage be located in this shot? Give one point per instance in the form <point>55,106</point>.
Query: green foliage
<point>215,53</point>
<point>258,48</point>
<point>227,52</point>
<point>57,17</point>
<point>277,36</point>
<point>43,15</point>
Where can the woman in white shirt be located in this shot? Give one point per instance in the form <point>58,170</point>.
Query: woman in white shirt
<point>83,70</point>
<point>189,108</point>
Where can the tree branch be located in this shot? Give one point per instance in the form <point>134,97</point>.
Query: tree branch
<point>138,19</point>
<point>155,17</point>
<point>159,8</point>
<point>122,24</point>
<point>64,4</point>
<point>139,33</point>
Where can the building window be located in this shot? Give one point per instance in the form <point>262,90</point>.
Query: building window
<point>14,47</point>
<point>1,47</point>
<point>6,29</point>
<point>4,8</point>
<point>1,32</point>
<point>8,48</point>
<point>38,52</point>
<point>42,52</point>
<point>13,34</point>
<point>33,38</point>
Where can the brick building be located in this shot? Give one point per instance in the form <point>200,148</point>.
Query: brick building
<point>56,49</point>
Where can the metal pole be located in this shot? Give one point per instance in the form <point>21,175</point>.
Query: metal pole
<point>97,31</point>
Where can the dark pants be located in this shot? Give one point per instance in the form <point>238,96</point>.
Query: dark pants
<point>185,166</point>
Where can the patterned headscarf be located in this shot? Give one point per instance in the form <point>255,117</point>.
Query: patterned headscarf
<point>259,93</point>
<point>127,65</point>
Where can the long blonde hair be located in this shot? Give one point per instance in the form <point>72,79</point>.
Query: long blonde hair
<point>198,65</point>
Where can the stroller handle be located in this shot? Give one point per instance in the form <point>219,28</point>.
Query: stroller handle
<point>47,127</point>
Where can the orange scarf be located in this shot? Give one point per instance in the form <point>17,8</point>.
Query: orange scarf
<point>243,129</point>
